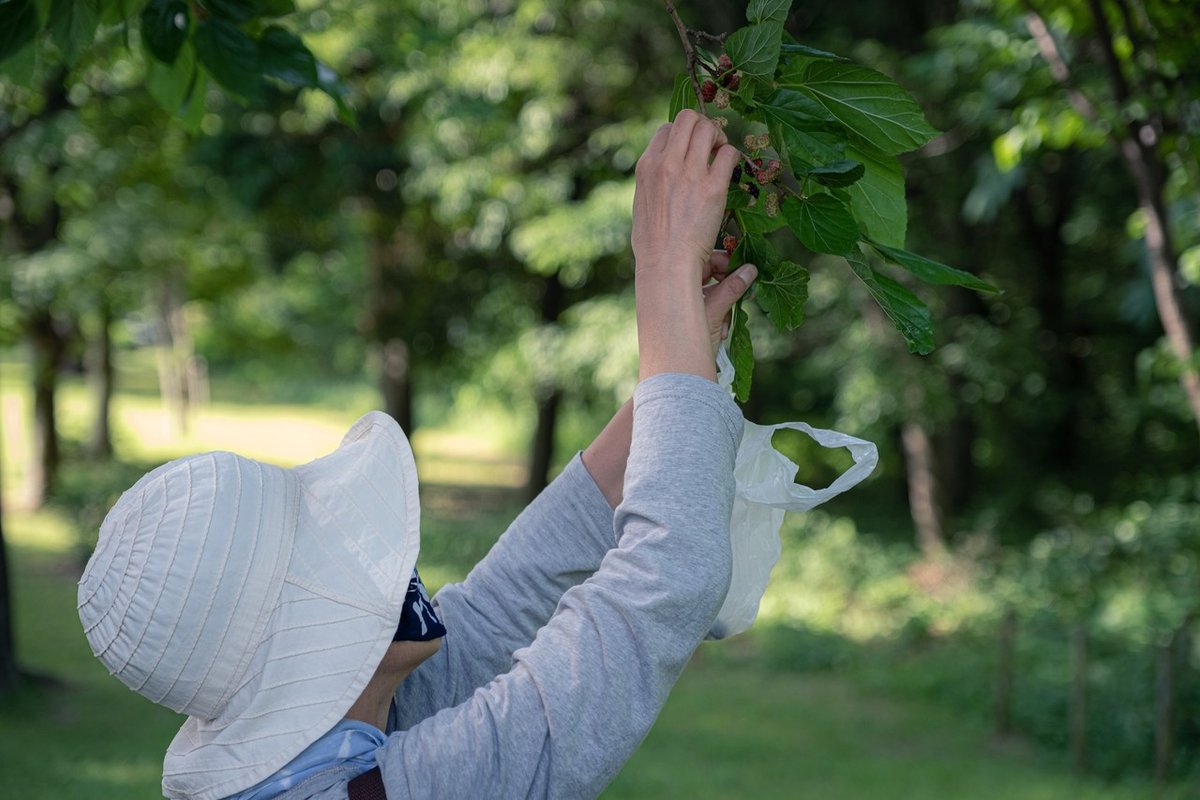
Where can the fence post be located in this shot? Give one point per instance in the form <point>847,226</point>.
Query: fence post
<point>1164,701</point>
<point>1004,672</point>
<point>1079,698</point>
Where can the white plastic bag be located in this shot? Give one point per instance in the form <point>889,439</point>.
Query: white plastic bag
<point>765,489</point>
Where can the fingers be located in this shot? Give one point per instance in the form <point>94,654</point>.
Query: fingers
<point>704,140</point>
<point>724,161</point>
<point>659,140</point>
<point>681,134</point>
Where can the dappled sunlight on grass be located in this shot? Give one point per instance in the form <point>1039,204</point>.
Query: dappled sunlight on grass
<point>47,531</point>
<point>277,434</point>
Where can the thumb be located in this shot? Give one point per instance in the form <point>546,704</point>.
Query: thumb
<point>727,292</point>
<point>720,299</point>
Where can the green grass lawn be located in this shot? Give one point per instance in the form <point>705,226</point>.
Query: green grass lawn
<point>734,727</point>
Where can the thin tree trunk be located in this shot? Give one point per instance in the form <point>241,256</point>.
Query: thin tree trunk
<point>175,354</point>
<point>395,382</point>
<point>1079,698</point>
<point>1139,151</point>
<point>542,451</point>
<point>922,488</point>
<point>548,399</point>
<point>48,346</point>
<point>1138,148</point>
<point>101,370</point>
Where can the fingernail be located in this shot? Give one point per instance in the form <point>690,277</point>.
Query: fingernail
<point>747,272</point>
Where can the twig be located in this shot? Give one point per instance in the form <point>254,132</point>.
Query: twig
<point>688,50</point>
<point>1058,66</point>
<point>712,37</point>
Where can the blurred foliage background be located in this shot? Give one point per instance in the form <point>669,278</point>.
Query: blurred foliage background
<point>434,220</point>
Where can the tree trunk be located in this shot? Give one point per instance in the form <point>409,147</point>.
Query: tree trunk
<point>1077,735</point>
<point>542,451</point>
<point>395,382</point>
<point>1139,150</point>
<point>101,371</point>
<point>48,346</point>
<point>175,354</point>
<point>548,398</point>
<point>922,488</point>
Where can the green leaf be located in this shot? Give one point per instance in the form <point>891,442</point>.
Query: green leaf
<point>165,28</point>
<point>931,271</point>
<point>867,102</point>
<point>741,353</point>
<point>877,200</point>
<point>837,173</point>
<point>231,57</point>
<point>754,221</point>
<point>822,223</point>
<point>796,49</point>
<point>682,96</point>
<point>798,111</point>
<point>192,113</point>
<point>902,307</point>
<point>802,150</point>
<point>283,56</point>
<point>18,25</point>
<point>235,11</point>
<point>768,10</point>
<point>782,294</point>
<point>73,27</point>
<point>170,86</point>
<point>755,249</point>
<point>755,49</point>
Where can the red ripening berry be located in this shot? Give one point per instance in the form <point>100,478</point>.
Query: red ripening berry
<point>724,63</point>
<point>708,91</point>
<point>730,243</point>
<point>774,166</point>
<point>732,80</point>
<point>758,162</point>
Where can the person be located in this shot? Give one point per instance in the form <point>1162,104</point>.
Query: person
<point>281,610</point>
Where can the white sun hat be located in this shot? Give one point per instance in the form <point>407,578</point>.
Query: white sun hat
<point>257,600</point>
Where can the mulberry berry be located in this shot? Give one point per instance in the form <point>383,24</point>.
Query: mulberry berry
<point>730,242</point>
<point>708,91</point>
<point>724,63</point>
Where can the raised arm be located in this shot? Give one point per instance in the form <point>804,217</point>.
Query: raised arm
<point>561,538</point>
<point>580,698</point>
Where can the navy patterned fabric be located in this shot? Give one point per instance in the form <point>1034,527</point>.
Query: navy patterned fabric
<point>418,621</point>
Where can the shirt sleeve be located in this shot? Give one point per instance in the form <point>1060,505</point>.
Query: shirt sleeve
<point>557,542</point>
<point>578,700</point>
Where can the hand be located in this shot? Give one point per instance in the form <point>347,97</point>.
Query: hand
<point>682,181</point>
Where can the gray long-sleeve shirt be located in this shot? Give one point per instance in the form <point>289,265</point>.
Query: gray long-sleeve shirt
<point>566,638</point>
